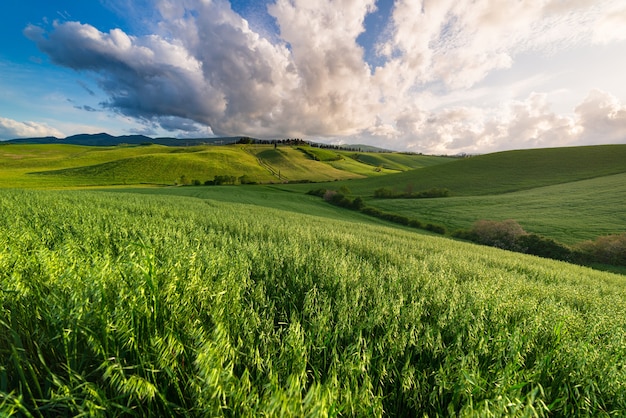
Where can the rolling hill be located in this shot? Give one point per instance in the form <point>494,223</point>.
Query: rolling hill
<point>261,300</point>
<point>64,165</point>
<point>507,171</point>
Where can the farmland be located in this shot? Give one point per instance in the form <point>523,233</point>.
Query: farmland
<point>248,300</point>
<point>127,304</point>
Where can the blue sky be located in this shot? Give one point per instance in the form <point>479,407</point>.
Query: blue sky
<point>444,76</point>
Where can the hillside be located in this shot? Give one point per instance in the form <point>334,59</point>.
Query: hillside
<point>173,306</point>
<point>505,172</point>
<point>566,194</point>
<point>63,165</point>
<point>106,140</point>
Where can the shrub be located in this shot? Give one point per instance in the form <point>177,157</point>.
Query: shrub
<point>370,211</point>
<point>317,192</point>
<point>501,234</point>
<point>437,229</point>
<point>383,193</point>
<point>609,249</point>
<point>358,203</point>
<point>246,179</point>
<point>543,247</point>
<point>414,223</point>
<point>329,195</point>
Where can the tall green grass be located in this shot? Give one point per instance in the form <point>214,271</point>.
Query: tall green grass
<point>122,304</point>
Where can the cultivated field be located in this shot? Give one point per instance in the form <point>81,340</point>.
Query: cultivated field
<point>152,305</point>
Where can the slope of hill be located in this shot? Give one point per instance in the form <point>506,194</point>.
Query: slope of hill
<point>569,212</point>
<point>397,161</point>
<point>106,140</point>
<point>507,171</point>
<point>62,165</point>
<point>171,306</point>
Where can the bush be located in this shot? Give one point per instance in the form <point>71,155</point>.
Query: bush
<point>500,234</point>
<point>414,223</point>
<point>384,193</point>
<point>358,203</point>
<point>370,211</point>
<point>610,249</point>
<point>317,192</point>
<point>437,229</point>
<point>543,247</point>
<point>246,179</point>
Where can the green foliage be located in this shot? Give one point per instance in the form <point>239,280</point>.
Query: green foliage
<point>317,192</point>
<point>246,179</point>
<point>544,247</point>
<point>121,304</point>
<point>224,179</point>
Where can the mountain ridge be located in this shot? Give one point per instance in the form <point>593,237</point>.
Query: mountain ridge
<point>104,139</point>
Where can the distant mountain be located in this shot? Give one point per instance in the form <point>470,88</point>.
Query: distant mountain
<point>106,140</point>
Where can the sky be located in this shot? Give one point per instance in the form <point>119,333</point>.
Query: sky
<point>430,76</point>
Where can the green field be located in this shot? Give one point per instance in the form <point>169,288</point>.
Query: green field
<point>567,194</point>
<point>261,300</point>
<point>506,172</point>
<point>125,304</point>
<point>396,161</point>
<point>569,212</point>
<point>59,166</point>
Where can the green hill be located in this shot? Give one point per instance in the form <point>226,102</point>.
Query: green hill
<point>567,194</point>
<point>135,305</point>
<point>569,212</point>
<point>507,171</point>
<point>398,161</point>
<point>61,165</point>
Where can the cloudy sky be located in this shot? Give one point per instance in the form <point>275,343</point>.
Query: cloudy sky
<point>432,76</point>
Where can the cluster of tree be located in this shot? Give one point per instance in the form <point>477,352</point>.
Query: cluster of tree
<point>385,193</point>
<point>217,180</point>
<point>289,141</point>
<point>340,198</point>
<point>245,140</point>
<point>509,235</point>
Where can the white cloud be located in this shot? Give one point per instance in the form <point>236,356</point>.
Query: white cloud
<point>11,129</point>
<point>602,118</point>
<point>202,64</point>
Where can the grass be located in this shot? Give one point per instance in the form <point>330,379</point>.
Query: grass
<point>58,165</point>
<point>262,197</point>
<point>397,161</point>
<point>506,172</point>
<point>164,169</point>
<point>124,304</point>
<point>569,213</point>
<point>294,165</point>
